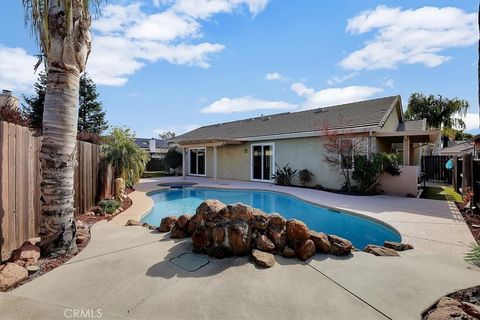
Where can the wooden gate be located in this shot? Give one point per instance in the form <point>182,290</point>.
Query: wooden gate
<point>434,169</point>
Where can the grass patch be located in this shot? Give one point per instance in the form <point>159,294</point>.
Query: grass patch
<point>155,174</point>
<point>441,193</point>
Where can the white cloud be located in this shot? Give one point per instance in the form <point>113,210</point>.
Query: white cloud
<point>333,96</point>
<point>126,38</point>
<point>273,76</point>
<point>471,121</point>
<point>16,70</point>
<point>337,79</point>
<point>204,9</point>
<point>244,104</point>
<point>177,128</point>
<point>409,36</point>
<point>387,82</point>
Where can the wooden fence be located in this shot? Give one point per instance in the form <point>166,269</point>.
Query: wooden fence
<point>433,168</point>
<point>20,184</point>
<point>466,173</point>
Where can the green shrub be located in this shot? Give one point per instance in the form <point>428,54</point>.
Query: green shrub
<point>283,176</point>
<point>128,160</point>
<point>368,170</point>
<point>305,176</point>
<point>109,206</point>
<point>474,255</point>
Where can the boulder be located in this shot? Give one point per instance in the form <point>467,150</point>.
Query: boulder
<point>218,235</point>
<point>471,309</point>
<point>380,251</point>
<point>198,219</point>
<point>297,231</point>
<point>263,259</point>
<point>397,245</point>
<point>339,246</point>
<point>305,249</point>
<point>237,211</point>
<point>200,238</point>
<point>288,252</point>
<point>177,232</point>
<point>209,209</point>
<point>132,222</point>
<point>167,223</point>
<point>278,237</point>
<point>27,255</point>
<point>448,308</point>
<point>320,239</point>
<point>260,220</point>
<point>276,221</point>
<point>264,244</point>
<point>11,274</point>
<point>183,220</point>
<point>239,237</point>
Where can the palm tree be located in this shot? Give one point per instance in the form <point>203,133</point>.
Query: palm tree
<point>62,29</point>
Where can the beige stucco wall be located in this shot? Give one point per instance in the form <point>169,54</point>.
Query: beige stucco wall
<point>234,162</point>
<point>391,124</point>
<point>402,185</point>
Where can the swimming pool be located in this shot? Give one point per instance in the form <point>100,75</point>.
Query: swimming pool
<point>361,231</point>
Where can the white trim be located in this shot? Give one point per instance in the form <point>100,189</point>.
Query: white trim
<point>205,164</point>
<point>272,165</point>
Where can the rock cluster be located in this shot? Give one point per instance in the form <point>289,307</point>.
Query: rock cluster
<point>221,230</point>
<point>389,249</point>
<point>119,190</point>
<point>448,308</point>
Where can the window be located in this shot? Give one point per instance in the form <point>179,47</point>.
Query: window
<point>262,162</point>
<point>197,161</point>
<point>351,147</point>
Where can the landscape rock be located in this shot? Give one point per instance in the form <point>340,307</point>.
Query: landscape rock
<point>397,245</point>
<point>297,231</point>
<point>339,246</point>
<point>471,309</point>
<point>209,209</point>
<point>177,232</point>
<point>380,251</point>
<point>27,255</point>
<point>197,220</point>
<point>183,220</point>
<point>132,222</point>
<point>448,308</point>
<point>200,238</point>
<point>276,221</point>
<point>264,244</point>
<point>305,250</point>
<point>288,252</point>
<point>167,223</point>
<point>237,211</point>
<point>11,274</point>
<point>279,238</point>
<point>260,220</point>
<point>263,259</point>
<point>320,239</point>
<point>218,235</point>
<point>239,238</point>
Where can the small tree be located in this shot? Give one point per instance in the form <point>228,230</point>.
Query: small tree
<point>173,158</point>
<point>341,150</point>
<point>167,135</point>
<point>128,160</point>
<point>369,170</point>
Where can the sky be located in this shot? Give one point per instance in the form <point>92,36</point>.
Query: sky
<point>174,65</point>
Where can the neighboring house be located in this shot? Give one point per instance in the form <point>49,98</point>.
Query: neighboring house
<point>457,148</point>
<point>7,98</point>
<point>475,141</point>
<point>249,149</point>
<point>157,149</point>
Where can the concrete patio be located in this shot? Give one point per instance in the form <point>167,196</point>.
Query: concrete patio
<point>125,271</point>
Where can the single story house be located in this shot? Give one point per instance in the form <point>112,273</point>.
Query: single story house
<point>157,149</point>
<point>457,148</point>
<point>249,149</point>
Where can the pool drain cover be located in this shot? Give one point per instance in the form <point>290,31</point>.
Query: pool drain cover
<point>190,262</point>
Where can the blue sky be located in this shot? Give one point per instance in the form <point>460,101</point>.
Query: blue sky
<point>178,64</point>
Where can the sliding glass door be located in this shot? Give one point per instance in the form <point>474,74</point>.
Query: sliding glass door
<point>262,162</point>
<point>197,161</point>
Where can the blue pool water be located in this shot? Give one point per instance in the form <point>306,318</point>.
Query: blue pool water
<point>360,231</point>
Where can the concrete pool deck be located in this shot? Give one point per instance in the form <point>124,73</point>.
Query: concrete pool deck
<point>125,272</point>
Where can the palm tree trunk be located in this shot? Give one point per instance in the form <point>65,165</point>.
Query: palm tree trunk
<point>66,51</point>
<point>57,157</point>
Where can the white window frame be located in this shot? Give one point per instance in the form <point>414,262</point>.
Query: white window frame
<point>272,145</point>
<point>189,159</point>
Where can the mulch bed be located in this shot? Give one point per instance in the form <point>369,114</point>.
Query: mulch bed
<point>47,264</point>
<point>472,218</point>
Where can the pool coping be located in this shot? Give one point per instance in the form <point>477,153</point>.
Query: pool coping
<point>331,208</point>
